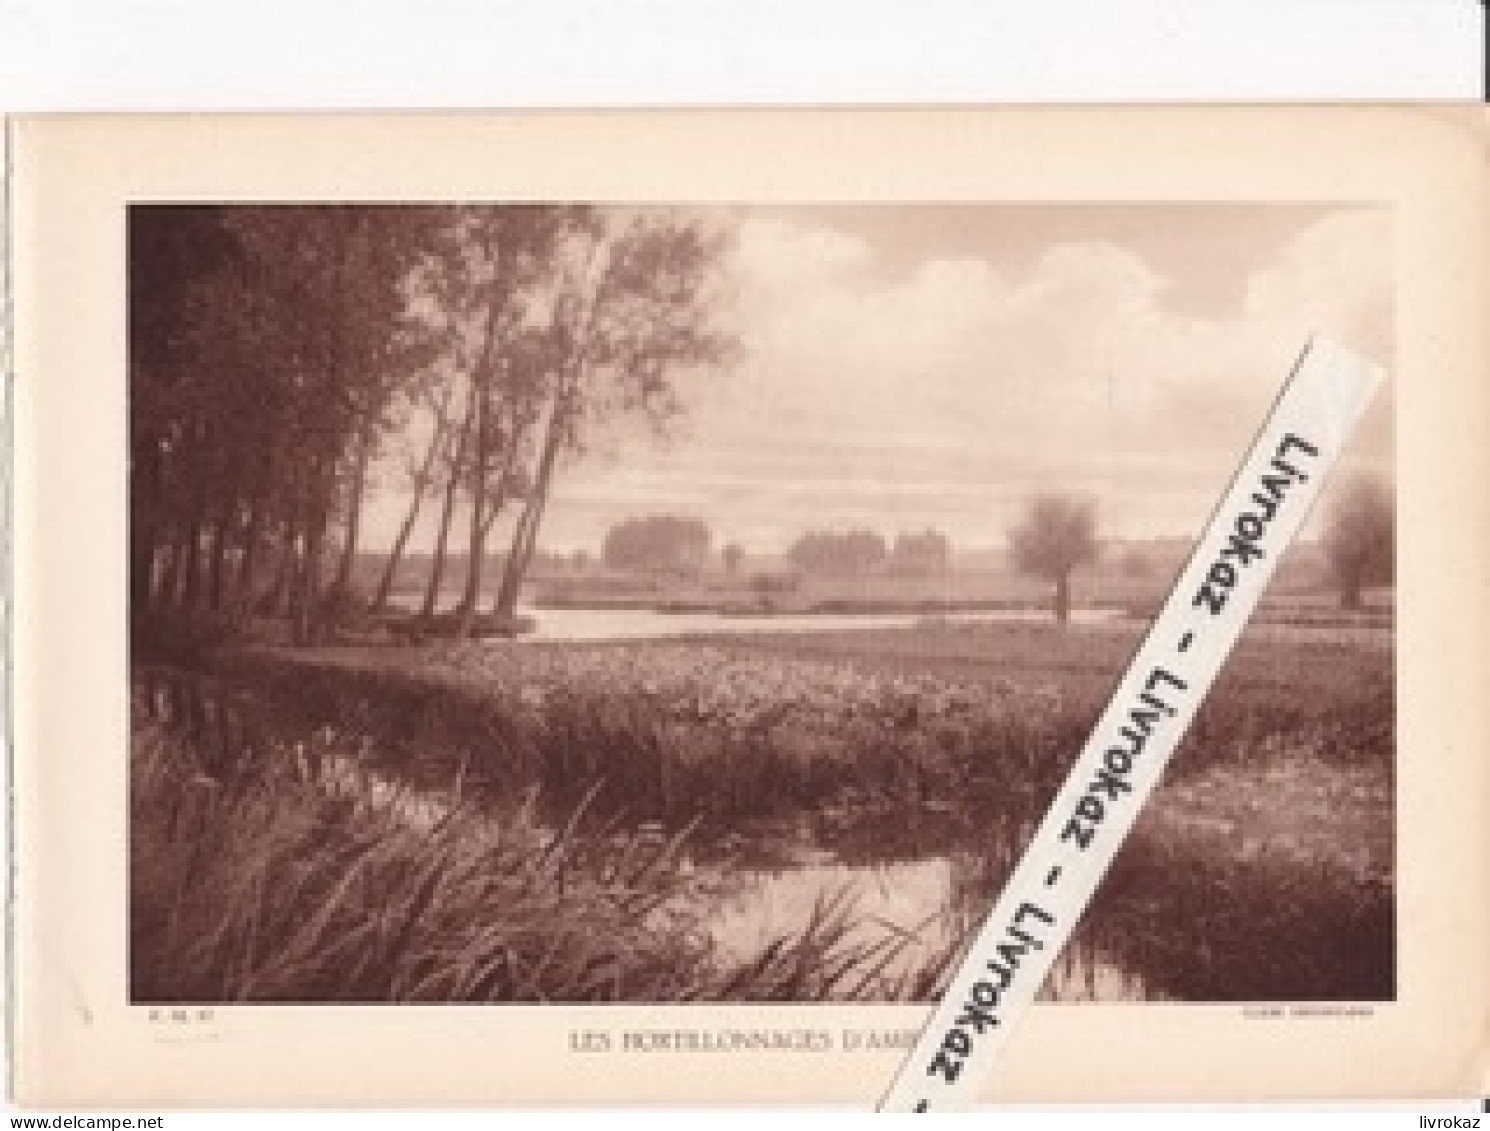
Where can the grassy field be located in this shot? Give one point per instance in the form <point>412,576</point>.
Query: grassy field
<point>875,592</point>
<point>1263,868</point>
<point>1127,575</point>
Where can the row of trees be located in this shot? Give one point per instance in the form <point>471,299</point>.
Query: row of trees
<point>859,551</point>
<point>1057,535</point>
<point>670,544</point>
<point>282,357</point>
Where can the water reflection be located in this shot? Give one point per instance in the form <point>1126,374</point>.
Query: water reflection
<point>1082,973</point>
<point>915,913</point>
<point>351,778</point>
<point>908,901</point>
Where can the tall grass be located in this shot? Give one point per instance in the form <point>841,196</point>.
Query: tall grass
<point>270,887</point>
<point>1269,928</point>
<point>280,890</point>
<point>687,731</point>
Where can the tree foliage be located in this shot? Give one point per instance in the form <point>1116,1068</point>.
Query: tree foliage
<point>266,344</point>
<point>659,543</point>
<point>632,306</point>
<point>921,555</point>
<point>830,552</point>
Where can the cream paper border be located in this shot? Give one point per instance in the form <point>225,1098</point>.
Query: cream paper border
<point>78,1043</point>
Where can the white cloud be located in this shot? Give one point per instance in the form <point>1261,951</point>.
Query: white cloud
<point>1074,367</point>
<point>1335,276</point>
<point>774,255</point>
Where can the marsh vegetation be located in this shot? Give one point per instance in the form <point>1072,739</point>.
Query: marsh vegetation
<point>801,816</point>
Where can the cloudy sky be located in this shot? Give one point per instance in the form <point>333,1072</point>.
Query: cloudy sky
<point>936,365</point>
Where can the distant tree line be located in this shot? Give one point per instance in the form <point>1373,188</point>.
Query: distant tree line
<point>1054,537</point>
<point>661,543</point>
<point>669,543</point>
<point>830,552</point>
<point>920,555</point>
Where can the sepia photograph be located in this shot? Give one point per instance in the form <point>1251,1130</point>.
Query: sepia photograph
<point>595,602</point>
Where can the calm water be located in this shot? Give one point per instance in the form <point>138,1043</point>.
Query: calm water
<point>919,909</point>
<point>911,899</point>
<point>592,625</point>
<point>913,911</point>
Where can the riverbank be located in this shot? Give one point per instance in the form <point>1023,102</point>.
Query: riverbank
<point>770,605</point>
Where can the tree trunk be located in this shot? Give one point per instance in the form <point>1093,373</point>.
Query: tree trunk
<point>252,532</point>
<point>153,564</point>
<point>516,565</point>
<point>141,569</point>
<point>481,376</point>
<point>308,623</point>
<point>499,500</point>
<point>306,592</point>
<point>1063,598</point>
<point>281,591</point>
<point>1350,594</point>
<point>478,556</point>
<point>411,516</point>
<point>530,536</point>
<point>299,591</point>
<point>437,564</point>
<point>314,589</point>
<point>217,563</point>
<point>437,561</point>
<point>525,537</point>
<point>476,419</point>
<point>191,585</point>
<point>168,588</point>
<point>144,529</point>
<point>395,555</point>
<point>295,600</point>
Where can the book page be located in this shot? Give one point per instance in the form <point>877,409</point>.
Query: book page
<point>586,608</point>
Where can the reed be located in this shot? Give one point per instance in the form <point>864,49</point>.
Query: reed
<point>272,888</point>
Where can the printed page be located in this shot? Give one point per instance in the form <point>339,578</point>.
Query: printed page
<point>588,608</point>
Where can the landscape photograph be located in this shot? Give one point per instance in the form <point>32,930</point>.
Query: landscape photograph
<point>603,602</point>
